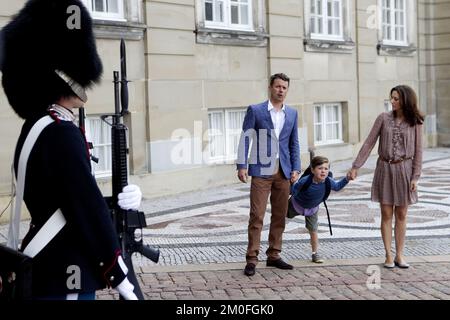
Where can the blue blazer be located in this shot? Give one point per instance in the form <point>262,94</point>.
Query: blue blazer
<point>258,130</point>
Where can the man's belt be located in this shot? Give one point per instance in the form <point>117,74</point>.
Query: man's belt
<point>392,161</point>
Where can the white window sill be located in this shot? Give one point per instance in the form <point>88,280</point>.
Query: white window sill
<point>108,18</point>
<point>328,45</point>
<point>324,37</point>
<point>328,144</point>
<point>389,49</point>
<point>109,29</point>
<point>244,28</point>
<point>233,37</point>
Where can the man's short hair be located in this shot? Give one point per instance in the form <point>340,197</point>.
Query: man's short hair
<point>280,76</point>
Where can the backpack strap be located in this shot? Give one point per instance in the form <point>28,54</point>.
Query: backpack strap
<point>328,216</point>
<point>56,221</point>
<point>325,197</point>
<point>307,183</point>
<point>327,188</point>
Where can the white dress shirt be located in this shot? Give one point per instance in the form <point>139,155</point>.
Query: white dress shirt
<point>278,118</point>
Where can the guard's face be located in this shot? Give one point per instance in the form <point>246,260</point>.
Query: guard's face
<point>77,102</point>
<point>71,102</point>
<point>278,90</point>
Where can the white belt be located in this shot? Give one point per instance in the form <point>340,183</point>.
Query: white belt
<point>56,221</point>
<point>48,231</point>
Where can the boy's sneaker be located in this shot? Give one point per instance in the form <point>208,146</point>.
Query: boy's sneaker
<point>316,258</point>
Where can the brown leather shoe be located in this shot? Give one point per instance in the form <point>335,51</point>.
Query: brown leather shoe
<point>250,269</point>
<point>280,264</point>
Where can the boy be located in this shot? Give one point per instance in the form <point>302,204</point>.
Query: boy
<point>306,202</point>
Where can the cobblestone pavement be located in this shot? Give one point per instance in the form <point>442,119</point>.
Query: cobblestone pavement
<point>211,226</point>
<point>202,237</point>
<point>428,278</point>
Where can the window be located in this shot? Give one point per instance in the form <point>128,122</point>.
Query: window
<point>394,22</point>
<point>99,133</point>
<point>326,19</point>
<point>231,22</point>
<point>328,124</point>
<point>228,14</point>
<point>105,9</point>
<point>225,127</point>
<point>387,105</point>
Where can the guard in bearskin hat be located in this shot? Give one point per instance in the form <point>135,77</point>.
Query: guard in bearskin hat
<point>48,59</point>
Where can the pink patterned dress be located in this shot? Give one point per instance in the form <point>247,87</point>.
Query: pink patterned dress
<point>397,140</point>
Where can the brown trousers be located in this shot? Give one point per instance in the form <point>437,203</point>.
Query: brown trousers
<point>278,188</point>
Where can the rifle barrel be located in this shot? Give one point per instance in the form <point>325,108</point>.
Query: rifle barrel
<point>123,81</point>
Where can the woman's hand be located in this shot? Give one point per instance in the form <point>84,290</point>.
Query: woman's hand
<point>414,185</point>
<point>352,174</point>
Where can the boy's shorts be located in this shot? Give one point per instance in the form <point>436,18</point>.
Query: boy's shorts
<point>312,222</point>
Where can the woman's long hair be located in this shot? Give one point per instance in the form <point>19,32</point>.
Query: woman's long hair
<point>408,102</point>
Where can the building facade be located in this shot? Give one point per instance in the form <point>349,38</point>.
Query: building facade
<point>195,66</point>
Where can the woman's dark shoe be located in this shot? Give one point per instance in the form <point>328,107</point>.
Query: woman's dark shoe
<point>402,265</point>
<point>250,269</point>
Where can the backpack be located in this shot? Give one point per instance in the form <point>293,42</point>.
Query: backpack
<point>308,182</point>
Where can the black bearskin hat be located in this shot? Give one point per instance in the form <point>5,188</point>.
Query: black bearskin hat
<point>48,52</point>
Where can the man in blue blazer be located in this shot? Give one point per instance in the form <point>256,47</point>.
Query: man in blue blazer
<point>270,130</point>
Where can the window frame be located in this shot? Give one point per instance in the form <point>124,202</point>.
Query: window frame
<point>105,145</point>
<point>325,19</point>
<point>323,123</point>
<point>100,15</point>
<point>226,155</point>
<point>227,23</point>
<point>392,11</point>
<point>387,105</point>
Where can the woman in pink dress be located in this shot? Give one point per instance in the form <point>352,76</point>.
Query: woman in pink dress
<point>398,167</point>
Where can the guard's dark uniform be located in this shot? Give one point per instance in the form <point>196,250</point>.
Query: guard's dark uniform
<point>59,176</point>
<point>49,52</point>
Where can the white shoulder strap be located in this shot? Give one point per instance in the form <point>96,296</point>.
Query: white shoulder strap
<point>45,235</point>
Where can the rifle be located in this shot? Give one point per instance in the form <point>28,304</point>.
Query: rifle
<point>128,223</point>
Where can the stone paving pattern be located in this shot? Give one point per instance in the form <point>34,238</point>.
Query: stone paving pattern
<point>202,237</point>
